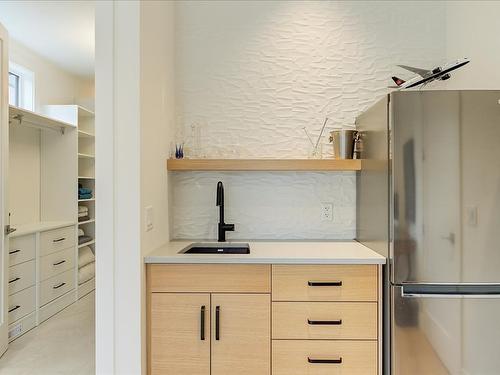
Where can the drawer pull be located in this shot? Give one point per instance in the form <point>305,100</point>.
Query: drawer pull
<point>58,286</point>
<point>59,263</point>
<point>324,283</point>
<point>324,322</point>
<point>14,280</point>
<point>59,239</point>
<point>14,251</point>
<point>14,308</point>
<point>217,323</point>
<point>202,323</point>
<point>334,360</point>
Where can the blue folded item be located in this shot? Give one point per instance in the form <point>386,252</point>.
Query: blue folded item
<point>84,196</point>
<point>84,191</point>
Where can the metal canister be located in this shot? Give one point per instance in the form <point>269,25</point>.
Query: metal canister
<point>343,143</point>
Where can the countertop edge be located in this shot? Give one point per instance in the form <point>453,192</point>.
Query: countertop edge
<point>284,260</point>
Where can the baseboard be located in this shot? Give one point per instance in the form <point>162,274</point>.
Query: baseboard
<point>86,288</point>
<point>55,306</point>
<point>21,326</point>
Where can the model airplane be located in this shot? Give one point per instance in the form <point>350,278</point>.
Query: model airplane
<point>427,76</point>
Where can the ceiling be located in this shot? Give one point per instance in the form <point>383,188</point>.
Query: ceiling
<point>60,31</point>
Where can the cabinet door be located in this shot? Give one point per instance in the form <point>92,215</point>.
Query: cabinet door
<point>179,334</point>
<point>241,337</point>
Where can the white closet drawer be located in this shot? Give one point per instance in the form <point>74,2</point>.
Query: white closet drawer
<point>56,263</point>
<point>21,249</point>
<point>21,276</point>
<point>57,239</point>
<point>56,286</point>
<point>21,304</point>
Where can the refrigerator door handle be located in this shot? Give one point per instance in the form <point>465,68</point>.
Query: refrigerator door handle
<point>444,290</point>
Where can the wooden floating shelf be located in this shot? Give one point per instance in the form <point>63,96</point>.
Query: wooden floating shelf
<point>325,165</point>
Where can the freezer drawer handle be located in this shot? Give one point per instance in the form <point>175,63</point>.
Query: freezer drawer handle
<point>217,323</point>
<point>58,286</point>
<point>324,283</point>
<point>450,290</point>
<point>14,308</point>
<point>202,323</point>
<point>324,322</point>
<point>14,251</point>
<point>328,361</point>
<point>14,280</point>
<point>59,239</point>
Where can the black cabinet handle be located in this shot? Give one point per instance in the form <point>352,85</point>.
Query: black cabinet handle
<point>14,251</point>
<point>202,323</point>
<point>217,323</point>
<point>58,286</point>
<point>59,239</point>
<point>14,280</point>
<point>58,263</point>
<point>14,308</point>
<point>324,322</point>
<point>334,360</point>
<point>324,283</point>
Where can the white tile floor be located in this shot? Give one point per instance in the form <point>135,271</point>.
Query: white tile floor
<point>64,344</point>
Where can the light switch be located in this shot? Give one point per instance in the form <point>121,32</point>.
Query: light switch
<point>149,218</point>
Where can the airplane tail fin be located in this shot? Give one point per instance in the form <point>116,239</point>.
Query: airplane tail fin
<point>398,81</point>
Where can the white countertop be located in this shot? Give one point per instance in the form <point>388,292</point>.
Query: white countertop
<point>276,252</point>
<point>41,226</point>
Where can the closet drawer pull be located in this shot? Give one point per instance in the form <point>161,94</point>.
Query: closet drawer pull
<point>14,251</point>
<point>14,308</point>
<point>331,361</point>
<point>324,283</point>
<point>59,239</point>
<point>58,286</point>
<point>59,263</point>
<point>324,322</point>
<point>14,280</point>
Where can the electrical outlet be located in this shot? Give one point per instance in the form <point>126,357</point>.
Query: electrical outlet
<point>149,218</point>
<point>16,330</point>
<point>326,211</point>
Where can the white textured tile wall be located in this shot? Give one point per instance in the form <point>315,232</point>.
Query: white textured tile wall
<point>254,73</point>
<point>264,205</point>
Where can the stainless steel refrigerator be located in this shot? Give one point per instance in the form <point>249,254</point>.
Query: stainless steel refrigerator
<point>429,199</point>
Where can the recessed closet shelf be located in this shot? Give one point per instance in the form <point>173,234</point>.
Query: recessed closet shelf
<point>86,200</point>
<point>86,243</point>
<point>25,117</point>
<point>86,221</point>
<point>42,226</point>
<point>85,156</point>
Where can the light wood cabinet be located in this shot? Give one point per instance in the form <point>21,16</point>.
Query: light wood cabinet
<point>180,334</point>
<point>241,334</point>
<point>318,319</point>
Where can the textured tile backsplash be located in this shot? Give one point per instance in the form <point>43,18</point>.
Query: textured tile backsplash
<point>264,205</point>
<point>254,73</point>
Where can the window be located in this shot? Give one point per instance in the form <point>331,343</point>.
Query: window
<point>21,87</point>
<point>13,89</point>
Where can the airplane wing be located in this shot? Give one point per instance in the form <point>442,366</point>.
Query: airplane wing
<point>421,72</point>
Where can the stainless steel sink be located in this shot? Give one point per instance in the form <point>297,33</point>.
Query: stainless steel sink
<point>216,248</point>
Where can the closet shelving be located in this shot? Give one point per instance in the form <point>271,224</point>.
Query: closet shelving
<point>32,119</point>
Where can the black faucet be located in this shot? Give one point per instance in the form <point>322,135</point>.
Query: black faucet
<point>223,227</point>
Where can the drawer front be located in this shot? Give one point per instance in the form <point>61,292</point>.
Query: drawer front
<point>21,304</point>
<point>325,320</point>
<point>299,357</point>
<point>21,249</point>
<point>56,263</point>
<point>222,278</point>
<point>56,286</point>
<point>57,239</point>
<point>22,276</point>
<point>325,283</point>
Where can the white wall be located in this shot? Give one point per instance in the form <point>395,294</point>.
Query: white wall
<point>255,73</point>
<point>472,30</point>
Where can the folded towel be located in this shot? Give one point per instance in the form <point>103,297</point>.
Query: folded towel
<point>81,232</point>
<point>83,190</point>
<point>83,218</point>
<point>84,196</point>
<point>84,239</point>
<point>86,273</point>
<point>85,256</point>
<point>83,209</point>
